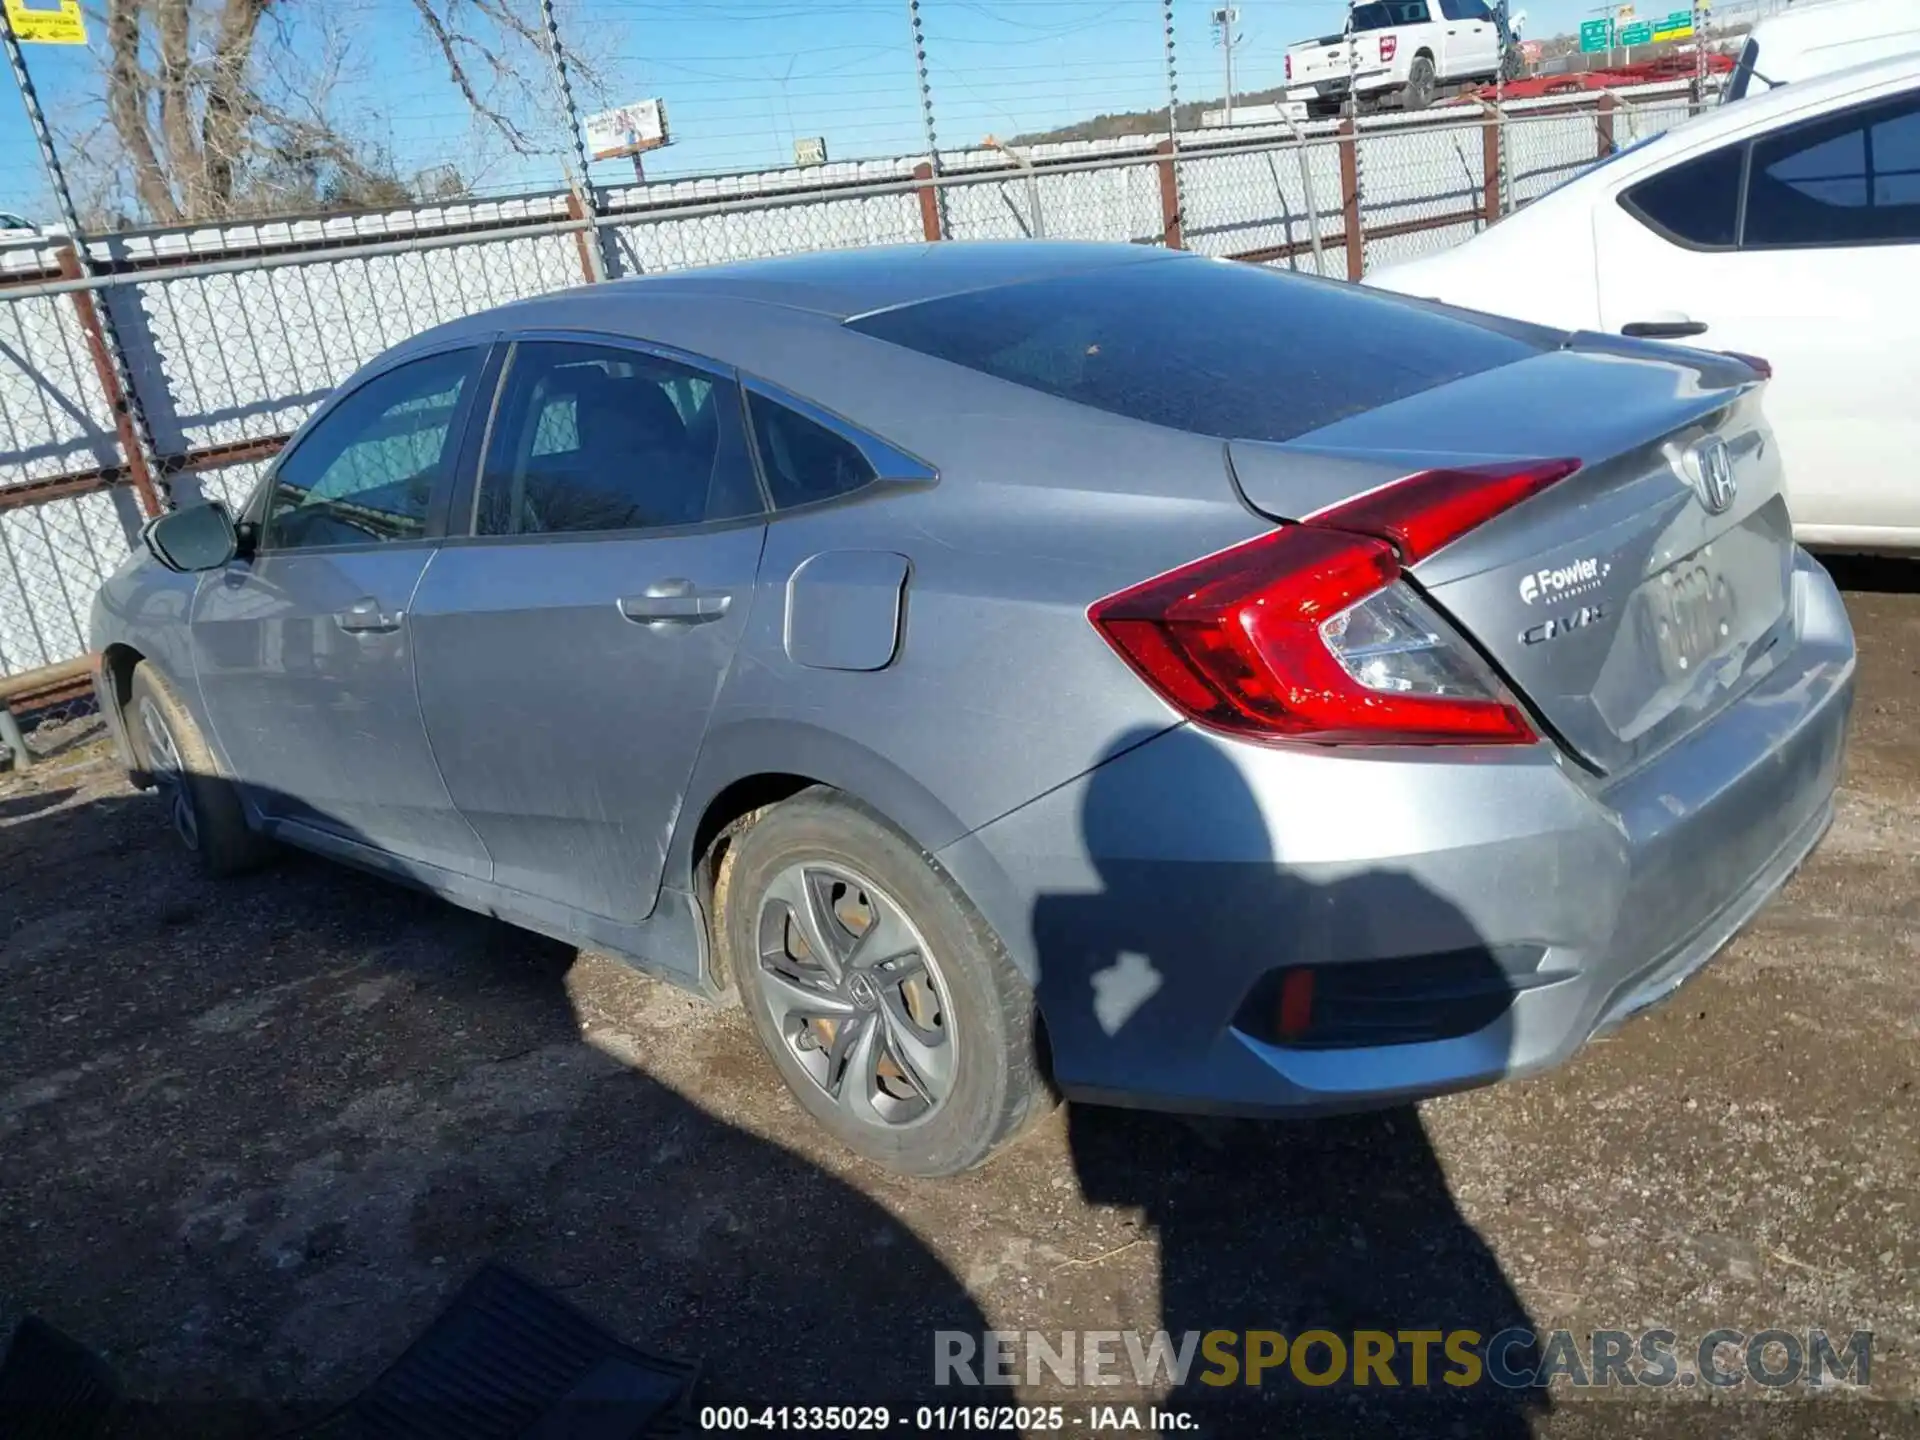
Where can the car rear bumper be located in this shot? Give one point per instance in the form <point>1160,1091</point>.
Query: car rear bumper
<point>1153,899</point>
<point>1336,87</point>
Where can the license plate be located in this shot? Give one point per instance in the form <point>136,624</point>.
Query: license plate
<point>1692,607</point>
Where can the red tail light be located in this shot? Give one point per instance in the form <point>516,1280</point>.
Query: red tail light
<point>1289,67</point>
<point>1762,368</point>
<point>1309,632</point>
<point>1388,44</point>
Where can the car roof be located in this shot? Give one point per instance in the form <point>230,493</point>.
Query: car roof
<point>1838,22</point>
<point>840,284</point>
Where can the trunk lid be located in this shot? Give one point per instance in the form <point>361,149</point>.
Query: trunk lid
<point>1621,604</point>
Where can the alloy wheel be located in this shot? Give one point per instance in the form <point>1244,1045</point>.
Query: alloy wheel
<point>856,994</point>
<point>169,775</point>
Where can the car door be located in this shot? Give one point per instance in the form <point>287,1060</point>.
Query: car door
<point>1470,42</point>
<point>303,650</point>
<point>571,646</point>
<point>1798,245</point>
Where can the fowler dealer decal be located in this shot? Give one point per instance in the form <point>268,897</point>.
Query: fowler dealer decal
<point>1565,581</point>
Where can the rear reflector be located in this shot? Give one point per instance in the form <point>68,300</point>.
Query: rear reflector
<point>1289,60</point>
<point>1310,632</point>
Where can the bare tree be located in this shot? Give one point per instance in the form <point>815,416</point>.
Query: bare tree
<point>218,113</point>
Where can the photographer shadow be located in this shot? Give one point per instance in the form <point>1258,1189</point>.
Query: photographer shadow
<point>1336,1225</point>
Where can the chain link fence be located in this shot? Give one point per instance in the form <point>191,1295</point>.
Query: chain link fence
<point>233,334</point>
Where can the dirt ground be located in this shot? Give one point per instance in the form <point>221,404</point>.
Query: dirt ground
<point>254,1134</point>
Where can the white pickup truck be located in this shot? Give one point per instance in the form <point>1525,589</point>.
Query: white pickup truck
<point>1404,50</point>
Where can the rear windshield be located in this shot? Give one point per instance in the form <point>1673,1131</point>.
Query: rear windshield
<point>1215,347</point>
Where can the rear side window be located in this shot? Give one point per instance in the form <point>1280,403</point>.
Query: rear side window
<point>597,437</point>
<point>1385,14</point>
<point>1214,347</point>
<point>1696,204</point>
<point>1850,180</point>
<point>802,459</point>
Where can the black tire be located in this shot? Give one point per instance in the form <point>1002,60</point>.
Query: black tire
<point>202,805</point>
<point>970,1035</point>
<point>1421,85</point>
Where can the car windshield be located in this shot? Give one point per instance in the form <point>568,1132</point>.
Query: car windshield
<point>1385,14</point>
<point>1214,347</point>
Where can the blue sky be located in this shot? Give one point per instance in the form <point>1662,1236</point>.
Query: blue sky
<point>743,78</point>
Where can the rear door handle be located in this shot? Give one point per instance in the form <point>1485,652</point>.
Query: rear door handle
<point>675,602</point>
<point>1663,329</point>
<point>365,617</point>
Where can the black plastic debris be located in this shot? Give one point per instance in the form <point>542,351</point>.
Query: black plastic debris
<point>52,1387</point>
<point>507,1360</point>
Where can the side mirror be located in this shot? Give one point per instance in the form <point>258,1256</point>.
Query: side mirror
<point>198,537</point>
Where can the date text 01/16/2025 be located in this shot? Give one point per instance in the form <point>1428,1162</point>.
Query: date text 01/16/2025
<point>942,1419</point>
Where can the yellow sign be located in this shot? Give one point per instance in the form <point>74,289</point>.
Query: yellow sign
<point>35,22</point>
<point>1623,12</point>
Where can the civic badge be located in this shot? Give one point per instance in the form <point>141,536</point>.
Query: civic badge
<point>1708,469</point>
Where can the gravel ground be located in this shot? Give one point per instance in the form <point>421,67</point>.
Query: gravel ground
<point>253,1135</point>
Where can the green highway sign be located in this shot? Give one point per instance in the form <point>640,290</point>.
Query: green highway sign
<point>1638,33</point>
<point>1595,35</point>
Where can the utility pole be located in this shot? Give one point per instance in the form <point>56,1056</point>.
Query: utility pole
<point>1225,17</point>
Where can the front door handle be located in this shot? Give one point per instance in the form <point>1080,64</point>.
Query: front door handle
<point>365,617</point>
<point>675,602</point>
<point>1675,329</point>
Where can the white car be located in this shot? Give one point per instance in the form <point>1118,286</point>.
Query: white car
<point>1786,227</point>
<point>1408,48</point>
<point>1820,39</point>
<point>15,228</point>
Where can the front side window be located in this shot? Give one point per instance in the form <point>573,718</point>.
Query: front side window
<point>367,470</point>
<point>1696,204</point>
<point>596,437</point>
<point>1852,179</point>
<point>803,460</point>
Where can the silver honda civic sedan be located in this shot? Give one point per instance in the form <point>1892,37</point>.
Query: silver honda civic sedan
<point>1019,670</point>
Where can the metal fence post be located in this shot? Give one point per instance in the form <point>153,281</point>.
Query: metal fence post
<point>100,352</point>
<point>1173,228</point>
<point>96,318</point>
<point>581,197</point>
<point>1172,233</point>
<point>1350,199</point>
<point>1603,124</point>
<point>929,202</point>
<point>1490,207</point>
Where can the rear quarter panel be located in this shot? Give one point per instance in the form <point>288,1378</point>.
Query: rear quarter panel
<point>1000,688</point>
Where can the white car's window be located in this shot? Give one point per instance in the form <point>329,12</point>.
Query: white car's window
<point>1696,204</point>
<point>1385,14</point>
<point>1851,179</point>
<point>366,472</point>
